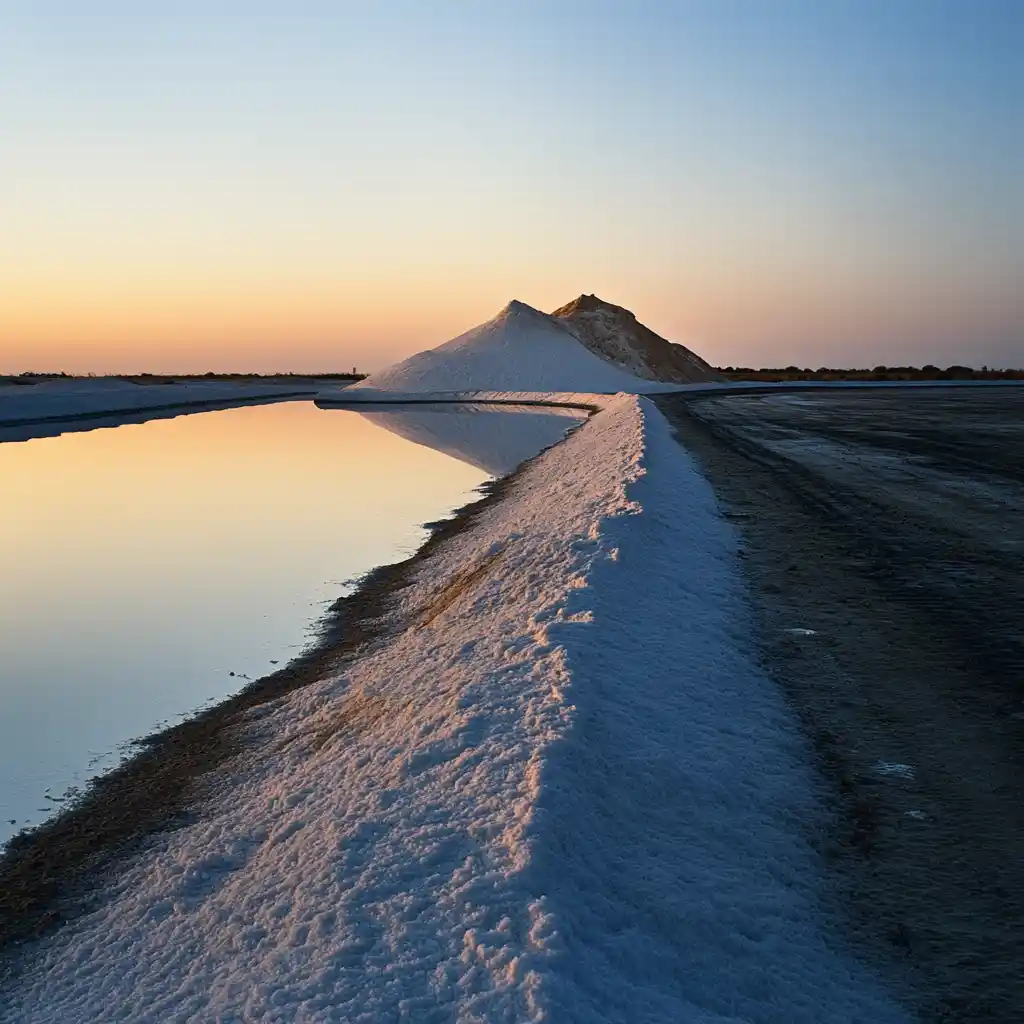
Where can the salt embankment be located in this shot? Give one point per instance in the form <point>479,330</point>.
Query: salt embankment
<point>66,399</point>
<point>558,788</point>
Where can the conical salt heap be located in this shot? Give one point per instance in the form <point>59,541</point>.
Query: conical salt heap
<point>587,346</point>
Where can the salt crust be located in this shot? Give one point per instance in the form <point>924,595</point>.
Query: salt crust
<point>21,403</point>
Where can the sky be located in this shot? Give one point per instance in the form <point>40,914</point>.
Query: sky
<point>320,185</point>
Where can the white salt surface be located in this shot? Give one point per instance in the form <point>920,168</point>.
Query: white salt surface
<point>560,790</point>
<point>21,403</point>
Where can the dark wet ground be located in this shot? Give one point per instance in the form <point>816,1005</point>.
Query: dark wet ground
<point>891,523</point>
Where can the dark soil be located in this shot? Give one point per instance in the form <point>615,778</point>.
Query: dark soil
<point>891,522</point>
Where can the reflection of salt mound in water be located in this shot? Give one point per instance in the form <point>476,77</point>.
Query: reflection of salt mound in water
<point>521,349</point>
<point>495,439</point>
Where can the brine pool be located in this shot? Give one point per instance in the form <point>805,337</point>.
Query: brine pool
<point>149,569</point>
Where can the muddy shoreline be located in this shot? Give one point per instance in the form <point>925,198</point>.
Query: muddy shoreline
<point>50,874</point>
<point>883,544</point>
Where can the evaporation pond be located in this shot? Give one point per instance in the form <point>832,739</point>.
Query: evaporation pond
<point>141,565</point>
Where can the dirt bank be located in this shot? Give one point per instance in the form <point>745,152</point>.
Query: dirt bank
<point>892,525</point>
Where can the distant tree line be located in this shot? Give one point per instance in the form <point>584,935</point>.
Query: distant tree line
<point>927,372</point>
<point>32,377</point>
<point>210,375</point>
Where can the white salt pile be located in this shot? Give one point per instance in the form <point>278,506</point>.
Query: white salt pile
<point>521,349</point>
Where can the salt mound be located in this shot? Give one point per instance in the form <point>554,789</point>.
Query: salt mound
<point>615,335</point>
<point>521,349</point>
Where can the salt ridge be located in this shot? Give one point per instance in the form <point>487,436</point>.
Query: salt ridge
<point>560,789</point>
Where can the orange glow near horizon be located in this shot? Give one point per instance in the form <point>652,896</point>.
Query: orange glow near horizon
<point>194,329</point>
<point>187,190</point>
<point>323,329</point>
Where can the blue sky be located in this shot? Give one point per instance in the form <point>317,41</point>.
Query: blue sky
<point>318,184</point>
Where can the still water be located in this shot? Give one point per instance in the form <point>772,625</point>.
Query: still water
<point>141,566</point>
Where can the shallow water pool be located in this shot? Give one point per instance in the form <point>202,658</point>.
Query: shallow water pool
<point>152,568</point>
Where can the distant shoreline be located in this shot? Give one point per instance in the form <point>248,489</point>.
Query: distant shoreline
<point>791,374</point>
<point>779,375</point>
<point>29,379</point>
<point>195,405</point>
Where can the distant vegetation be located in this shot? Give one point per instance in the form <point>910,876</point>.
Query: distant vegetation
<point>32,378</point>
<point>767,374</point>
<point>151,378</point>
<point>929,372</point>
<point>170,378</point>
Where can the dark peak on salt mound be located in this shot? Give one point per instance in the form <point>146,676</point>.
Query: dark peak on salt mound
<point>591,304</point>
<point>614,333</point>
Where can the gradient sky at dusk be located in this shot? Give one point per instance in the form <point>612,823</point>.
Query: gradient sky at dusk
<point>315,185</point>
